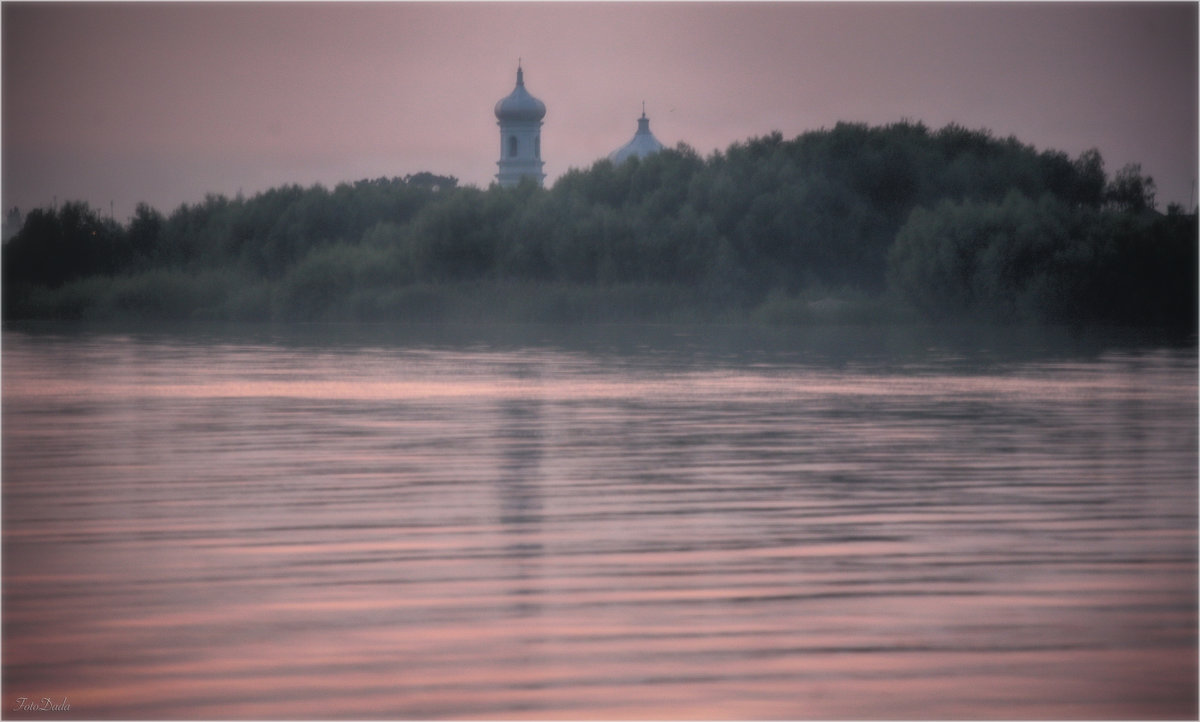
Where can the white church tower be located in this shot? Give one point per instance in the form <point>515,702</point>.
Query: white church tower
<point>519,116</point>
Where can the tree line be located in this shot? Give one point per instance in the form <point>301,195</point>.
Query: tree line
<point>948,223</point>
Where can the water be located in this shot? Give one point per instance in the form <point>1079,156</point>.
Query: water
<point>605,523</point>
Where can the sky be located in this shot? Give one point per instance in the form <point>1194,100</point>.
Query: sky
<point>163,103</point>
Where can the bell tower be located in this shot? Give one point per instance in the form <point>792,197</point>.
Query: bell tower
<point>519,116</point>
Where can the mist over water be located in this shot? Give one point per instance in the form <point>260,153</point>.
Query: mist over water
<point>613,522</point>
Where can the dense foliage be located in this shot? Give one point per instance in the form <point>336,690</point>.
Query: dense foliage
<point>948,223</point>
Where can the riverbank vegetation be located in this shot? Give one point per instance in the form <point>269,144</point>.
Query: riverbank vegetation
<point>849,224</point>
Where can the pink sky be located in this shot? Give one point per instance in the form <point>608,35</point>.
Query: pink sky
<point>165,102</point>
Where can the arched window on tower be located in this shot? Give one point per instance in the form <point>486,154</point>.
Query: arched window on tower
<point>512,146</point>
<point>537,147</point>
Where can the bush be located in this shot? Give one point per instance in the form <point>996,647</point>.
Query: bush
<point>1043,261</point>
<point>948,220</point>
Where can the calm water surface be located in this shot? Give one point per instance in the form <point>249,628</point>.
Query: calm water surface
<point>647,523</point>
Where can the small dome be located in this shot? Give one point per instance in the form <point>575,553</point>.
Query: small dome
<point>643,144</point>
<point>519,104</point>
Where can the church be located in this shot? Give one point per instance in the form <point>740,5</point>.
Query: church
<point>643,143</point>
<point>519,115</point>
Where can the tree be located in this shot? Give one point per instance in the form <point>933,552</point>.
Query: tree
<point>433,182</point>
<point>1091,179</point>
<point>954,220</point>
<point>56,246</point>
<point>145,232</point>
<point>12,223</point>
<point>1130,191</point>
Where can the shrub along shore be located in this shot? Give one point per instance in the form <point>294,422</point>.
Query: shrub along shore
<point>851,224</point>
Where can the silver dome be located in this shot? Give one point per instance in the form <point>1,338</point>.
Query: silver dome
<point>643,144</point>
<point>519,104</point>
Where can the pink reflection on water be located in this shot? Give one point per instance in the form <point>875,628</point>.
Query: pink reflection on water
<point>706,385</point>
<point>346,536</point>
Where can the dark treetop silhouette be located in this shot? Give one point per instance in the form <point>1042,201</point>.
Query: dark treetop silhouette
<point>895,220</point>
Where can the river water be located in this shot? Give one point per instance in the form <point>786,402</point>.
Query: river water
<point>657,522</point>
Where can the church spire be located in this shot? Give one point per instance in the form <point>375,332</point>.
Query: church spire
<point>643,122</point>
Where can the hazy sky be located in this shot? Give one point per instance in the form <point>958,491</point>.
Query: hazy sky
<point>165,102</point>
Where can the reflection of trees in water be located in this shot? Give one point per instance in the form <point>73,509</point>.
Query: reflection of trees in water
<point>520,438</point>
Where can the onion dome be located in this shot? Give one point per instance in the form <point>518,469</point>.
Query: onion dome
<point>519,105</point>
<point>643,144</point>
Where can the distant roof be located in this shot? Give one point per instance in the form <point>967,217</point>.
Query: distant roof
<point>519,104</point>
<point>643,144</point>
